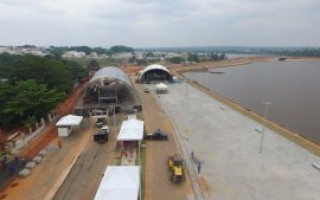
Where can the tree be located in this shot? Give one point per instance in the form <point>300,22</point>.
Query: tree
<point>7,62</point>
<point>25,99</point>
<point>51,72</point>
<point>93,65</point>
<point>121,49</point>
<point>193,57</point>
<point>75,70</point>
<point>176,60</point>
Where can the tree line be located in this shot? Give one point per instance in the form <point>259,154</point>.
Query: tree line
<point>31,86</point>
<point>59,51</point>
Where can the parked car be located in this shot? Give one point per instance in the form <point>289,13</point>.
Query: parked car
<point>101,136</point>
<point>156,135</point>
<point>100,122</point>
<point>146,90</point>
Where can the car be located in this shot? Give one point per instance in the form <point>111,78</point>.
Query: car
<point>156,135</point>
<point>100,122</point>
<point>101,136</point>
<point>146,90</point>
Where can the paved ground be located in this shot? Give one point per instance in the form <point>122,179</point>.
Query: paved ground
<point>158,184</point>
<point>228,146</point>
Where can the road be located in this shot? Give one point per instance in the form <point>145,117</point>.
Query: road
<point>158,184</point>
<point>86,174</point>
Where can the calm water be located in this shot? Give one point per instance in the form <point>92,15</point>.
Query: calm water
<point>293,88</point>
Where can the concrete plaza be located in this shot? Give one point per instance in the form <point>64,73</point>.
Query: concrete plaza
<point>228,146</point>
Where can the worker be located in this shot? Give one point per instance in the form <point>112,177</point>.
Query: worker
<point>199,167</point>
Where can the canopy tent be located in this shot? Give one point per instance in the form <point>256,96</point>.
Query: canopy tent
<point>119,183</point>
<point>161,87</point>
<point>65,124</point>
<point>153,73</point>
<point>70,120</point>
<point>131,130</point>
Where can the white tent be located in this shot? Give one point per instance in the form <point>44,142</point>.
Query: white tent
<point>131,130</point>
<point>119,183</point>
<point>161,87</point>
<point>65,124</point>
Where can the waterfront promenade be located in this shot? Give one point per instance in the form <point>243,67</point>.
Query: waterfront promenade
<point>228,145</point>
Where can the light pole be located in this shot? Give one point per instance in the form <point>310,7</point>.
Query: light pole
<point>265,112</point>
<point>186,86</point>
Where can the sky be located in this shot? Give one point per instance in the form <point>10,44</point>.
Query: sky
<point>160,23</point>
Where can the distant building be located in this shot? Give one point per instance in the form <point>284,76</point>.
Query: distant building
<point>74,54</point>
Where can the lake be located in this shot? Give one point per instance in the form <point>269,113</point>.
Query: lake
<point>292,86</point>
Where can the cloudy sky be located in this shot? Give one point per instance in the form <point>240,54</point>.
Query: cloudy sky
<point>160,23</point>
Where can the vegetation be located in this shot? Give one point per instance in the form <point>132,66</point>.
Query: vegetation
<point>176,60</point>
<point>216,56</point>
<point>59,51</point>
<point>35,86</point>
<point>120,49</point>
<point>24,99</point>
<point>93,65</point>
<point>193,57</point>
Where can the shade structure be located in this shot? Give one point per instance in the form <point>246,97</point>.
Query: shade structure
<point>119,183</point>
<point>161,86</point>
<point>131,130</point>
<point>70,120</point>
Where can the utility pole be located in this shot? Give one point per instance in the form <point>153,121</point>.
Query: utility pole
<point>265,108</point>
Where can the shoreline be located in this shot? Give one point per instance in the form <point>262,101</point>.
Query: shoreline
<point>286,133</point>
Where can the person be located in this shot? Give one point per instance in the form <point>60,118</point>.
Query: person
<point>199,167</point>
<point>192,154</point>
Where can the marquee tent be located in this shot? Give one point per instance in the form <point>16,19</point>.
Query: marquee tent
<point>119,183</point>
<point>65,124</point>
<point>161,88</point>
<point>131,130</point>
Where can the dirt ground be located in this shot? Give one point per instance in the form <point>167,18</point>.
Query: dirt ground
<point>86,174</point>
<point>49,136</point>
<point>46,174</point>
<point>158,184</point>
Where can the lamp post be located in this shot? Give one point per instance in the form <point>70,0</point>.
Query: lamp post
<point>265,112</point>
<point>186,86</point>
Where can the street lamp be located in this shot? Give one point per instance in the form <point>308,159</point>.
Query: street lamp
<point>265,112</point>
<point>186,86</point>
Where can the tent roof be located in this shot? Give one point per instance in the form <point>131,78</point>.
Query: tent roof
<point>162,86</point>
<point>119,183</point>
<point>131,130</point>
<point>111,72</point>
<point>70,120</point>
<point>152,67</point>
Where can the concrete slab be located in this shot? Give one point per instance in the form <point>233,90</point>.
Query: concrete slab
<point>37,159</point>
<point>228,146</point>
<point>24,173</point>
<point>42,153</point>
<point>30,165</point>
